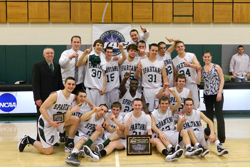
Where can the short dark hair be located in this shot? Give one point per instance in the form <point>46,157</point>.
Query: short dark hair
<point>70,78</point>
<point>240,46</point>
<point>132,47</point>
<point>161,43</point>
<point>105,105</point>
<point>164,98</point>
<point>134,79</point>
<point>116,104</point>
<point>177,42</point>
<point>75,36</point>
<point>182,76</point>
<point>98,41</point>
<point>142,41</point>
<point>207,52</point>
<point>153,44</point>
<point>188,99</point>
<point>111,48</point>
<point>137,99</point>
<point>133,30</point>
<point>80,91</point>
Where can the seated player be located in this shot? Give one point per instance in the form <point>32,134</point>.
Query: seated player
<point>190,120</point>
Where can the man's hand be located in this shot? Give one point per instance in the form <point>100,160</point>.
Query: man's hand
<point>129,122</point>
<point>76,108</point>
<point>115,58</point>
<point>169,39</point>
<point>87,51</point>
<point>97,109</point>
<point>99,128</point>
<point>112,117</point>
<point>39,103</point>
<point>120,45</point>
<point>143,29</point>
<point>74,55</point>
<point>101,92</point>
<point>127,74</point>
<point>139,70</point>
<point>187,63</point>
<point>212,137</point>
<point>55,124</point>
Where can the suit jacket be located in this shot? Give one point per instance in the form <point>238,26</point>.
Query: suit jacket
<point>43,83</point>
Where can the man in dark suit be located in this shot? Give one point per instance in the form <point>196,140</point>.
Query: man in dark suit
<point>46,78</point>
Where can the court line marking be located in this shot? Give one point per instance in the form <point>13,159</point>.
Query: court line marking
<point>103,15</point>
<point>117,163</point>
<point>188,163</point>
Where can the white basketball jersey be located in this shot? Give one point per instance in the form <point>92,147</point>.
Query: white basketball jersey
<point>169,67</point>
<point>151,73</point>
<point>88,127</point>
<point>112,75</point>
<point>61,106</point>
<point>94,75</point>
<point>125,68</point>
<point>112,124</point>
<point>164,121</point>
<point>139,125</point>
<point>183,95</point>
<point>189,72</point>
<point>193,121</point>
<point>127,101</point>
<point>85,107</point>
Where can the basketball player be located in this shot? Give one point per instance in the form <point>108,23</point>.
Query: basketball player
<point>163,126</point>
<point>112,74</point>
<point>190,120</point>
<point>136,123</point>
<point>130,64</point>
<point>95,78</point>
<point>186,63</point>
<point>141,46</point>
<point>56,113</point>
<point>90,130</point>
<point>128,95</point>
<point>153,74</point>
<point>135,37</point>
<point>165,55</point>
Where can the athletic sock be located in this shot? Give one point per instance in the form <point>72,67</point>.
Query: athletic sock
<point>188,146</point>
<point>165,152</point>
<point>31,141</point>
<point>103,153</point>
<point>75,150</point>
<point>106,142</point>
<point>217,142</point>
<point>170,147</point>
<point>197,145</point>
<point>89,142</point>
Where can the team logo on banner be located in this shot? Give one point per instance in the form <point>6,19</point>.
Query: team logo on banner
<point>110,39</point>
<point>8,102</point>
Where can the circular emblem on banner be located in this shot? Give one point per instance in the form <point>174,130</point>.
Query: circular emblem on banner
<point>110,39</point>
<point>7,102</point>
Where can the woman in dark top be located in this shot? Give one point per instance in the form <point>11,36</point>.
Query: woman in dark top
<point>213,95</point>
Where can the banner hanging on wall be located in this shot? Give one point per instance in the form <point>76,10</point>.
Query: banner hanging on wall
<point>110,34</point>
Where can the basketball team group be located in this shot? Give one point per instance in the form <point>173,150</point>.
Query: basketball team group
<point>95,99</point>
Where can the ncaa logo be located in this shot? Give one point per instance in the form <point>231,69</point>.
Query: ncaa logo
<point>7,102</point>
<point>110,39</point>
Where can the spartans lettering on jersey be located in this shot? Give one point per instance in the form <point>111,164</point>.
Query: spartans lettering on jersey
<point>90,126</point>
<point>173,100</point>
<point>112,69</point>
<point>181,65</point>
<point>61,107</point>
<point>168,61</point>
<point>164,122</point>
<point>128,67</point>
<point>191,124</point>
<point>137,126</point>
<point>97,66</point>
<point>151,69</point>
<point>127,102</point>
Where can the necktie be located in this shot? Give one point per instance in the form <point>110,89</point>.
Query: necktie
<point>76,70</point>
<point>51,69</point>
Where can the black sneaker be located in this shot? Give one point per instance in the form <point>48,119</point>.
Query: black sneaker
<point>191,152</point>
<point>221,151</point>
<point>62,137</point>
<point>72,159</point>
<point>98,147</point>
<point>204,152</point>
<point>81,154</point>
<point>68,147</point>
<point>174,155</point>
<point>88,152</point>
<point>177,147</point>
<point>23,142</point>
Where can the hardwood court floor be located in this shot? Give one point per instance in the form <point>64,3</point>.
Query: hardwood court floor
<point>238,144</point>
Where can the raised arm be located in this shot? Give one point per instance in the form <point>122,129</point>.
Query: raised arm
<point>65,59</point>
<point>181,120</point>
<point>119,124</point>
<point>177,104</point>
<point>164,74</point>
<point>172,47</point>
<point>145,34</point>
<point>84,58</point>
<point>87,115</point>
<point>139,71</point>
<point>124,56</point>
<point>122,87</point>
<point>71,111</point>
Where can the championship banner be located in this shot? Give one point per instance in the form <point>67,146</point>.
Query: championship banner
<point>110,33</point>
